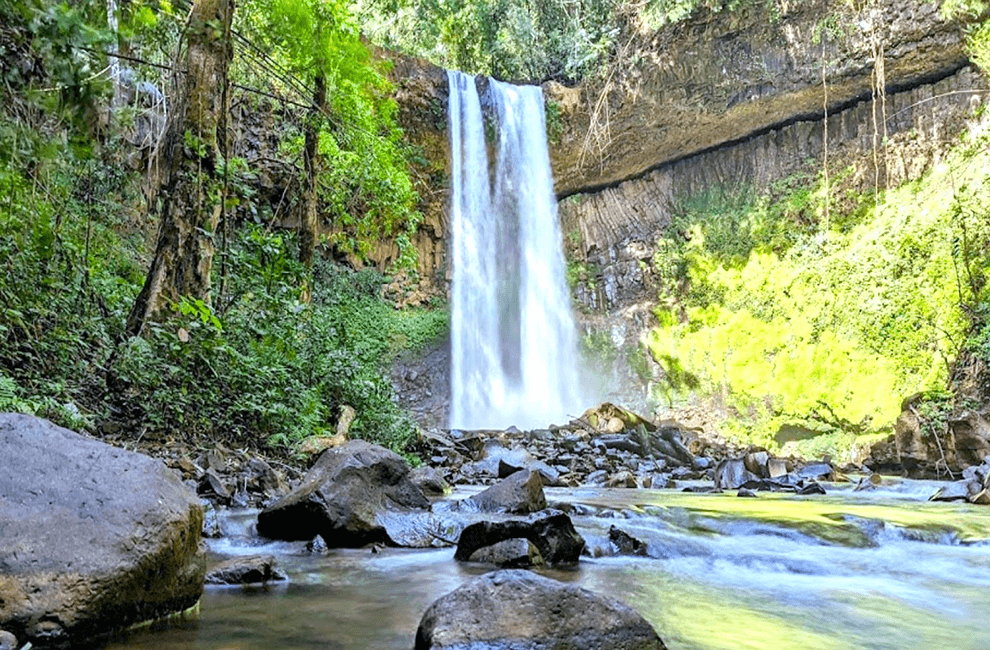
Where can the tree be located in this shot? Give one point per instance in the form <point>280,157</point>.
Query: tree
<point>310,34</point>
<point>191,195</point>
<point>353,159</point>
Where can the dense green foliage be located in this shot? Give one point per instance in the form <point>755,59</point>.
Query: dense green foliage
<point>266,364</point>
<point>509,39</point>
<point>281,348</point>
<point>365,189</point>
<point>978,36</point>
<point>786,319</point>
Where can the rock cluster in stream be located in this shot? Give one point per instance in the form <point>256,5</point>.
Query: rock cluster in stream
<point>974,486</point>
<point>607,447</point>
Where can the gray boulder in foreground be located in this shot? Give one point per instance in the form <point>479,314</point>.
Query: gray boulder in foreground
<point>514,609</point>
<point>92,538</point>
<point>350,497</point>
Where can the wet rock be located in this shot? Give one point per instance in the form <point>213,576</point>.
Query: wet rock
<point>212,528</point>
<point>317,546</point>
<point>254,569</point>
<point>430,480</point>
<point>811,488</point>
<point>507,469</point>
<point>731,474</point>
<point>624,543</point>
<point>981,498</point>
<point>870,482</point>
<point>598,477</point>
<point>622,443</point>
<point>816,472</point>
<point>516,553</point>
<point>352,496</point>
<point>549,475</point>
<point>955,491</point>
<point>212,487</point>
<point>94,538</point>
<point>601,417</point>
<point>261,478</point>
<point>745,492</point>
<point>520,493</point>
<point>7,641</point>
<point>756,463</point>
<point>523,611</point>
<point>550,531</point>
<point>623,479</point>
<point>776,467</point>
<point>971,435</point>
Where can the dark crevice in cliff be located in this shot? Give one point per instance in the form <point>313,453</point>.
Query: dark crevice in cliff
<point>929,78</point>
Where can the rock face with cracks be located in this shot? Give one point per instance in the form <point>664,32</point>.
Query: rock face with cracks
<point>94,538</point>
<point>349,498</point>
<point>518,610</point>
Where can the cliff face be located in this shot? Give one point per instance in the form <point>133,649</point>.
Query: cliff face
<point>721,100</point>
<point>719,78</point>
<point>612,231</point>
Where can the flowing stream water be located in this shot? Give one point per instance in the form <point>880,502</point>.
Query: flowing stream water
<point>513,344</point>
<point>882,570</point>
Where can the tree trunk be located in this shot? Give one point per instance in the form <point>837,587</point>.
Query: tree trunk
<point>309,228</point>
<point>191,196</point>
<point>115,69</point>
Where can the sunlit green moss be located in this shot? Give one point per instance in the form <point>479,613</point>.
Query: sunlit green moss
<point>829,326</point>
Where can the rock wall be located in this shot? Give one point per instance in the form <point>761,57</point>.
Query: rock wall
<point>612,232</point>
<point>723,77</point>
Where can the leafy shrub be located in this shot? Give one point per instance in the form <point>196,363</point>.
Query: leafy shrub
<point>270,367</point>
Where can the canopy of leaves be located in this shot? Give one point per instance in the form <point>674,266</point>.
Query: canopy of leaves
<point>509,39</point>
<point>365,189</point>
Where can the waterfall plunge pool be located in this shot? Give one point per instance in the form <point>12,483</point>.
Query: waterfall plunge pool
<point>881,570</point>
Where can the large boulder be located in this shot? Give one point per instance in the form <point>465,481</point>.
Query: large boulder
<point>94,538</point>
<point>514,609</point>
<point>350,497</point>
<point>550,531</point>
<point>520,493</point>
<point>971,434</point>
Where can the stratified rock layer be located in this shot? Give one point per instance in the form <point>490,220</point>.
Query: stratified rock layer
<point>94,538</point>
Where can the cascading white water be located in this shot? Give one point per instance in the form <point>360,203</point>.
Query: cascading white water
<point>513,342</point>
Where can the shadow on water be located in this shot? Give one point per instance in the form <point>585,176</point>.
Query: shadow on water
<point>723,573</point>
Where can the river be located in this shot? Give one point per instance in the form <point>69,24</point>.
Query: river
<point>878,570</point>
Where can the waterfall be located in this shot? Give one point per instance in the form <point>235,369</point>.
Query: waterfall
<point>513,342</point>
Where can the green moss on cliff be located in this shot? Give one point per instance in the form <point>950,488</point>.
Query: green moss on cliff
<point>785,318</point>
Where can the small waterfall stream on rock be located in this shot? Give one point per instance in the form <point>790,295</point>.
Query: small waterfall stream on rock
<point>513,343</point>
